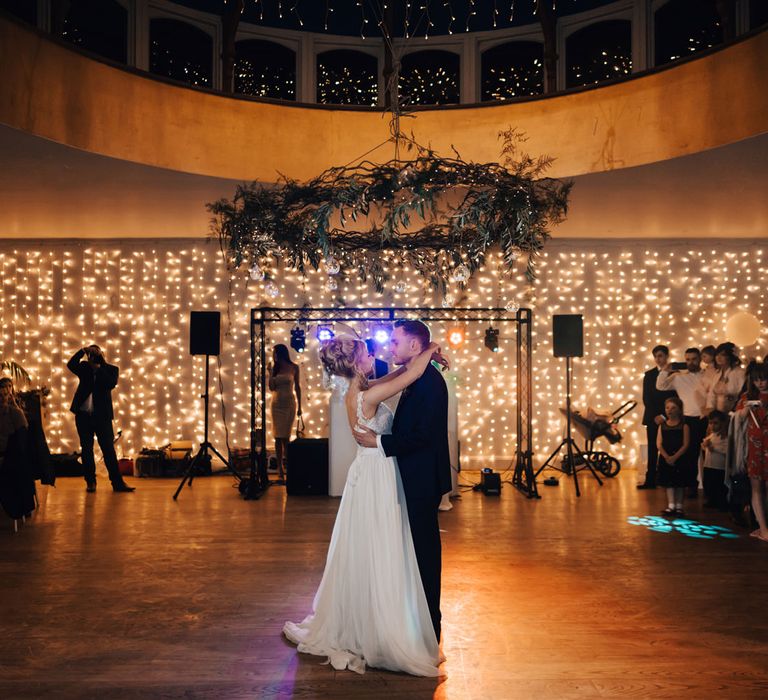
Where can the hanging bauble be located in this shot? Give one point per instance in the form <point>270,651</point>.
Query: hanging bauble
<point>401,286</point>
<point>461,274</point>
<point>512,306</point>
<point>257,274</point>
<point>448,301</point>
<point>332,285</point>
<point>332,265</point>
<point>405,176</point>
<point>271,290</point>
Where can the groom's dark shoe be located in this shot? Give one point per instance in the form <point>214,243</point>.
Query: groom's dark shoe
<point>123,488</point>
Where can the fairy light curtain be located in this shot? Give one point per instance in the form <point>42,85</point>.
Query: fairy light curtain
<point>134,298</point>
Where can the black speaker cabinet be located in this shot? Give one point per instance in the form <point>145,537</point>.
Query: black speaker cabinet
<point>490,483</point>
<point>307,467</point>
<point>204,332</point>
<point>568,335</point>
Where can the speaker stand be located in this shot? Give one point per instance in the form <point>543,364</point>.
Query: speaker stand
<point>205,446</point>
<point>574,460</point>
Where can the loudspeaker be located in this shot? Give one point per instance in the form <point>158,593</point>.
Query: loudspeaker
<point>568,335</point>
<point>204,332</point>
<point>307,467</point>
<point>490,483</point>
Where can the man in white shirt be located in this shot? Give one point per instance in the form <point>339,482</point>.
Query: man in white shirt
<point>690,385</point>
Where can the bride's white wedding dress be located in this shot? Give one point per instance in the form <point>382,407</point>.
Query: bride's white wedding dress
<point>370,608</point>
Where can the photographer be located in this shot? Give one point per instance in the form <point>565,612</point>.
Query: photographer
<point>688,381</point>
<point>92,406</point>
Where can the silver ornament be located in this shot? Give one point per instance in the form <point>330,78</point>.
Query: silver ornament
<point>461,274</point>
<point>332,265</point>
<point>257,274</point>
<point>271,290</point>
<point>332,285</point>
<point>401,287</point>
<point>512,306</point>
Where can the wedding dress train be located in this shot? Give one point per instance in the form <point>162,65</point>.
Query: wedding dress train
<point>370,608</point>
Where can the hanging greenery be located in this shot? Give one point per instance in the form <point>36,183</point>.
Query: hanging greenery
<point>438,215</point>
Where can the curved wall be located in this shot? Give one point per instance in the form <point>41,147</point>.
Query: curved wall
<point>62,95</point>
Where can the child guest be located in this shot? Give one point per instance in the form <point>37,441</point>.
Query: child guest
<point>715,447</point>
<point>677,468</point>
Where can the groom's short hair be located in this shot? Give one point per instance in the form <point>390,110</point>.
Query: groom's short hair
<point>415,329</point>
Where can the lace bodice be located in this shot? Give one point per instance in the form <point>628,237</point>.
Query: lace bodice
<point>381,423</point>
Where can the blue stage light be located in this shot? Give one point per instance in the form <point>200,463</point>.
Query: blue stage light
<point>324,333</point>
<point>381,335</point>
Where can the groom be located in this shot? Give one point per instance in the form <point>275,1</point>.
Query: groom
<point>419,441</point>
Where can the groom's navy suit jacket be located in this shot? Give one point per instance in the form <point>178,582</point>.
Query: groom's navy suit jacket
<point>419,437</point>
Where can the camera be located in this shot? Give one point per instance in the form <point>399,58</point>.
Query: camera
<point>94,355</point>
<point>677,365</point>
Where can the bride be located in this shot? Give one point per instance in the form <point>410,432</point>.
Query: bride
<point>370,608</point>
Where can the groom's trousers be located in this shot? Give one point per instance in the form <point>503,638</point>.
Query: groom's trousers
<point>425,531</point>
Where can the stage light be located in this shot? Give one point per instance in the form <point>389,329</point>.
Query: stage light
<point>381,335</point>
<point>324,333</point>
<point>456,336</point>
<point>492,339</point>
<point>298,339</point>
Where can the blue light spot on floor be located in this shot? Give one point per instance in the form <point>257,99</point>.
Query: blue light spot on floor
<point>685,526</point>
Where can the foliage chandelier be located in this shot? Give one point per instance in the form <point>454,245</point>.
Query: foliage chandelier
<point>437,215</point>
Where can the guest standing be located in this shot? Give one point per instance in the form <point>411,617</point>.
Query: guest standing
<point>653,412</point>
<point>690,387</point>
<point>12,418</point>
<point>380,368</point>
<point>728,382</point>
<point>283,383</point>
<point>677,469</point>
<point>715,449</point>
<point>17,487</point>
<point>708,368</point>
<point>753,407</point>
<point>92,406</point>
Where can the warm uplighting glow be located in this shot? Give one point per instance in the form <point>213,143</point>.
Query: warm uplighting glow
<point>456,337</point>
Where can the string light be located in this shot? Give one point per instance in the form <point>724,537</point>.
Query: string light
<point>512,70</point>
<point>347,77</point>
<point>599,52</point>
<point>133,298</point>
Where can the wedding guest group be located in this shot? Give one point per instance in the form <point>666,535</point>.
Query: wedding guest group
<point>708,416</point>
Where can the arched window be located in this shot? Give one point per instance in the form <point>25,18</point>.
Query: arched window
<point>682,27</point>
<point>599,52</point>
<point>23,9</point>
<point>512,70</point>
<point>180,51</point>
<point>347,77</point>
<point>758,13</point>
<point>430,78</point>
<point>265,69</point>
<point>99,26</point>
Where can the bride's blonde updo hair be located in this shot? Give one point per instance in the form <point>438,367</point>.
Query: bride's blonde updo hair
<point>339,357</point>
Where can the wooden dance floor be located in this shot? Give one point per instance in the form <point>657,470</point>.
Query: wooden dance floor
<point>137,596</point>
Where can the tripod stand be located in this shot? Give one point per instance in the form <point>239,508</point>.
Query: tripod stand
<point>202,455</point>
<point>574,460</point>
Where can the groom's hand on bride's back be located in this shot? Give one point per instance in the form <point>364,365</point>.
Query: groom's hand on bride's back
<point>364,436</point>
